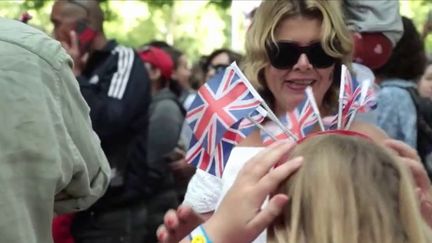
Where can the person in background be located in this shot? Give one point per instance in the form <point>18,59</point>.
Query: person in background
<point>373,43</point>
<point>218,60</point>
<point>166,116</point>
<point>425,83</point>
<point>116,86</point>
<point>179,84</point>
<point>181,73</point>
<point>51,159</point>
<point>396,109</point>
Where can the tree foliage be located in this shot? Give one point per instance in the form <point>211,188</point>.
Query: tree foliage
<point>174,21</point>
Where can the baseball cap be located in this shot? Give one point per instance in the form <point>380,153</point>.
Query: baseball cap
<point>158,59</point>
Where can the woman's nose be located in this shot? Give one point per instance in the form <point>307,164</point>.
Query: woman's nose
<point>303,63</point>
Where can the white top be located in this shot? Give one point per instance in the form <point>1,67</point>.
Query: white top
<point>205,191</point>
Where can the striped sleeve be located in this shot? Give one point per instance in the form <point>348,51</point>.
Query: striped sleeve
<point>121,77</point>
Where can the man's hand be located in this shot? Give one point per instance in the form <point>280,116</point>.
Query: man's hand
<point>79,59</point>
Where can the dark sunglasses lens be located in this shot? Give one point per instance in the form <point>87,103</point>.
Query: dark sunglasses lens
<point>319,58</point>
<point>283,56</point>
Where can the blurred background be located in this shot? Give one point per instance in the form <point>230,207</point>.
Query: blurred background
<point>195,26</point>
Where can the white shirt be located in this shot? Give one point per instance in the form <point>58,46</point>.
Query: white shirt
<point>205,192</point>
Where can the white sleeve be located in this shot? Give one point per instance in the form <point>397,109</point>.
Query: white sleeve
<point>203,192</point>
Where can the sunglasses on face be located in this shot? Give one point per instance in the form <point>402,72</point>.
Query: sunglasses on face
<point>218,67</point>
<point>284,55</point>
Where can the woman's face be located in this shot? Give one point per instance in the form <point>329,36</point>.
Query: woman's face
<point>182,73</point>
<point>425,83</point>
<point>288,85</point>
<point>220,61</point>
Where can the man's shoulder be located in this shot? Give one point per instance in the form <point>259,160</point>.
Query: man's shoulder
<point>116,47</point>
<point>25,37</point>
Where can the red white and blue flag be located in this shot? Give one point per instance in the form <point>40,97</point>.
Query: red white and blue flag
<point>355,97</point>
<point>300,122</point>
<point>215,117</point>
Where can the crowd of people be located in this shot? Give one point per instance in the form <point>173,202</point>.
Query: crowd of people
<point>94,133</point>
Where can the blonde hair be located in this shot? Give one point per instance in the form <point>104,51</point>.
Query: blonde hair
<point>336,40</point>
<point>349,190</point>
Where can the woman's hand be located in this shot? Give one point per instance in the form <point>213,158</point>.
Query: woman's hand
<point>178,224</point>
<point>240,217</point>
<point>423,185</point>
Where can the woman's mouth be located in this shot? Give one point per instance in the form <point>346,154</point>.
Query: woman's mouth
<point>298,85</point>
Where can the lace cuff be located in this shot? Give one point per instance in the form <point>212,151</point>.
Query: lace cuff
<point>203,192</point>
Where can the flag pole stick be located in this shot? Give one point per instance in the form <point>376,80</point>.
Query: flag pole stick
<point>311,98</point>
<point>262,128</point>
<point>271,115</point>
<point>341,95</point>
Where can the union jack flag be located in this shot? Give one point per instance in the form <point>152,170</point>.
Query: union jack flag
<point>300,122</point>
<point>215,163</point>
<point>357,97</point>
<point>224,100</point>
<point>216,114</point>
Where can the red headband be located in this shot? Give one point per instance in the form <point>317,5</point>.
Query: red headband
<point>340,132</point>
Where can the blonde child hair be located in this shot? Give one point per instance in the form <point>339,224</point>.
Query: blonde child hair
<point>349,190</point>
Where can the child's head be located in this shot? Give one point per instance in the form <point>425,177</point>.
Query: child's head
<point>349,189</point>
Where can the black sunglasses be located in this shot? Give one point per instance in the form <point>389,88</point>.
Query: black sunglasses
<point>218,67</point>
<point>285,54</point>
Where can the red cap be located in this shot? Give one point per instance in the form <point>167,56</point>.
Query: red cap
<point>158,59</point>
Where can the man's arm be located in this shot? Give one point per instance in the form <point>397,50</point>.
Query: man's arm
<point>90,170</point>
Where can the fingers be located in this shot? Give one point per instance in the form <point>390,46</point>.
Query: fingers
<point>65,45</point>
<point>178,224</point>
<point>189,220</point>
<point>85,58</point>
<point>171,220</point>
<point>260,164</point>
<point>410,158</point>
<point>272,180</point>
<point>74,40</point>
<point>163,235</point>
<point>402,149</point>
<point>268,214</point>
<point>419,173</point>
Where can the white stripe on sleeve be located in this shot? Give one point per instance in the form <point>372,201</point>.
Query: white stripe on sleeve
<point>121,77</point>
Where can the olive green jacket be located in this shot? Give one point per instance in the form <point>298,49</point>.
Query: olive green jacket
<point>51,161</point>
